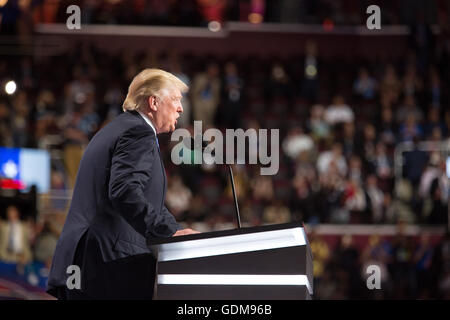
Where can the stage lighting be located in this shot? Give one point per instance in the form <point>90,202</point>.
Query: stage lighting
<point>10,87</point>
<point>214,26</point>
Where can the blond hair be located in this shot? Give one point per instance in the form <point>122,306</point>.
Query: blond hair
<point>147,83</point>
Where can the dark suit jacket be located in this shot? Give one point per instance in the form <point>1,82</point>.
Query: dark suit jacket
<point>117,204</point>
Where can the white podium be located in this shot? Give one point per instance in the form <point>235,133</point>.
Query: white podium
<point>265,262</point>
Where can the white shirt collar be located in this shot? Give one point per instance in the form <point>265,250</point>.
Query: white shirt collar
<point>147,120</point>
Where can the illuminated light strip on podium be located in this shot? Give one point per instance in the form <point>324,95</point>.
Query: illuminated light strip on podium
<point>233,244</point>
<point>235,279</point>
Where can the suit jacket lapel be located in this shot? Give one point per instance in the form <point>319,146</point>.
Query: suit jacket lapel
<point>136,114</point>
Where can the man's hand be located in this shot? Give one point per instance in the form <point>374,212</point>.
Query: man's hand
<point>184,232</point>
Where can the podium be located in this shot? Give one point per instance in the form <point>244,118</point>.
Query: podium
<point>268,262</point>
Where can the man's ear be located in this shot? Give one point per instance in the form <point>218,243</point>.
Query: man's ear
<point>153,103</point>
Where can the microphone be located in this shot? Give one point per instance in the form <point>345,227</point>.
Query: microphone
<point>198,143</point>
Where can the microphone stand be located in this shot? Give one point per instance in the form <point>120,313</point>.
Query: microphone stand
<point>238,218</point>
<point>189,144</point>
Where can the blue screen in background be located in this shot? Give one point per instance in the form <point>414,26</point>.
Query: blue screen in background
<point>30,166</point>
<point>9,163</point>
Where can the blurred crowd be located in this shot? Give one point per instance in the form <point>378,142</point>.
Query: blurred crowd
<point>200,12</point>
<point>26,251</point>
<point>409,267</point>
<point>361,141</point>
<point>340,126</point>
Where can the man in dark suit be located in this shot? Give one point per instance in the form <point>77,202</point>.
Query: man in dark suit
<point>118,198</point>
